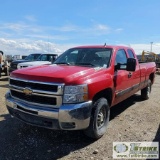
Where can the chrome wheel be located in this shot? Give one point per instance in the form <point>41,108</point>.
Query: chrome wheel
<point>101,117</point>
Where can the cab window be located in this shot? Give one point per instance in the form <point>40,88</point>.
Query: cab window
<point>121,57</point>
<point>130,53</point>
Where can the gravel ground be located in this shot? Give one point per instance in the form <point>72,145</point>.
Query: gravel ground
<point>132,120</point>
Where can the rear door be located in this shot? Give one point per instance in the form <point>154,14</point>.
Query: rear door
<point>134,76</point>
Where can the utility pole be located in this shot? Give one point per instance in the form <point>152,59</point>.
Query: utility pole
<point>151,46</point>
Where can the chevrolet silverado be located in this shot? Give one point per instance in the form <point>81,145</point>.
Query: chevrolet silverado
<point>78,89</point>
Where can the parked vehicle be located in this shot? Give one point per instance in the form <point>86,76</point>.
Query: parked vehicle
<point>16,57</point>
<point>31,57</point>
<point>42,59</point>
<point>8,58</point>
<point>151,57</point>
<point>77,91</point>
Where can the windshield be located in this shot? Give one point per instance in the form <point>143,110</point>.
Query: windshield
<point>32,57</point>
<point>94,57</point>
<point>47,57</point>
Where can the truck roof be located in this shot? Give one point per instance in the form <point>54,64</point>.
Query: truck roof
<point>103,46</point>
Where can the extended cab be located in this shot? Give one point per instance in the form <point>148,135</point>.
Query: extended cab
<point>77,91</point>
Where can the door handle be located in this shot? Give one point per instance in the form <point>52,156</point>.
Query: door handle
<point>129,75</point>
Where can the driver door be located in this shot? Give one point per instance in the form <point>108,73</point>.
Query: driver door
<point>121,78</point>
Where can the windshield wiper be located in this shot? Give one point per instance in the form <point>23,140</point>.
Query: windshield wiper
<point>85,64</point>
<point>62,63</point>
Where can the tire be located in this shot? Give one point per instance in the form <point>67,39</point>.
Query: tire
<point>99,119</point>
<point>145,92</point>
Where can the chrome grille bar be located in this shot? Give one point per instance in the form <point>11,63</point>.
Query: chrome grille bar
<point>18,86</point>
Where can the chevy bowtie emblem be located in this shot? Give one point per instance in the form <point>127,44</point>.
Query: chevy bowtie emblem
<point>27,91</point>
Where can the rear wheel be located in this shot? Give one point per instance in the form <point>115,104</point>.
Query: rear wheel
<point>99,119</point>
<point>145,92</point>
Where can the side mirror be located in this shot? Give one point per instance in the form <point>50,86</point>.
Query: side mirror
<point>131,64</point>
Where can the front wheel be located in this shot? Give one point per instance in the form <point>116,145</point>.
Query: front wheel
<point>99,119</point>
<point>145,92</point>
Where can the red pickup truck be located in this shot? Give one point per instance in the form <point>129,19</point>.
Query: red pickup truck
<point>78,89</point>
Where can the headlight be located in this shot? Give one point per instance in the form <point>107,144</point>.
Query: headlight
<point>75,94</point>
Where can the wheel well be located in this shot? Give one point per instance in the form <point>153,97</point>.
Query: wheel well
<point>151,77</point>
<point>106,93</point>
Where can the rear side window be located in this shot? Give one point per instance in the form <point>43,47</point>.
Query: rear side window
<point>130,53</point>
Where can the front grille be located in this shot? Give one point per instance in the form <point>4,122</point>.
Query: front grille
<point>23,66</point>
<point>42,94</point>
<point>36,86</point>
<point>34,98</point>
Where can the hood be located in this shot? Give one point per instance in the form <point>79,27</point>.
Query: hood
<point>34,63</point>
<point>19,61</point>
<point>56,73</point>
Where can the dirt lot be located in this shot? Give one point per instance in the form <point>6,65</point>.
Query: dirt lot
<point>131,120</point>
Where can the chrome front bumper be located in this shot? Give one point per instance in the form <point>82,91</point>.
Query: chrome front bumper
<point>67,117</point>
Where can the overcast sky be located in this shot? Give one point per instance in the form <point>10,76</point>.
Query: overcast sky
<point>29,26</point>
